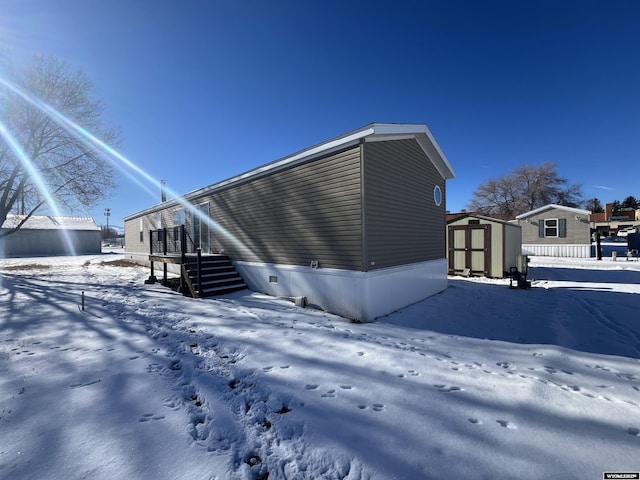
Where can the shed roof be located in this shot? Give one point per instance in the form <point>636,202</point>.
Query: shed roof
<point>461,216</point>
<point>374,132</point>
<point>553,206</point>
<point>47,222</point>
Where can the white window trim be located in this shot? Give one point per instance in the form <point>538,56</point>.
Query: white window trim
<point>557,227</point>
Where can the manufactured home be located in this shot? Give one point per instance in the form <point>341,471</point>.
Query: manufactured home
<point>355,225</point>
<point>556,231</point>
<point>50,235</point>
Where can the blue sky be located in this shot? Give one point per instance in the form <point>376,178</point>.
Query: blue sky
<point>203,90</point>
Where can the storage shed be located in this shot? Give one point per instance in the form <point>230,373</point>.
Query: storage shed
<point>556,231</point>
<point>355,224</point>
<point>47,235</point>
<point>485,246</point>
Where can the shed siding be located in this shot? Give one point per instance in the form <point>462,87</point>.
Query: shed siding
<point>402,222</point>
<point>496,270</point>
<point>577,231</point>
<point>513,246</point>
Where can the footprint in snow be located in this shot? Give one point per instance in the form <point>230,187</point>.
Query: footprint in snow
<point>267,369</point>
<point>310,386</point>
<point>150,416</point>
<point>633,431</point>
<point>448,388</point>
<point>329,394</point>
<point>473,420</point>
<point>506,424</point>
<point>573,388</point>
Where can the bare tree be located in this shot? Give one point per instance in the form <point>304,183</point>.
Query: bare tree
<point>526,188</point>
<point>73,171</point>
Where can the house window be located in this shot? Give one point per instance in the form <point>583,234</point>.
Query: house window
<point>141,230</point>
<point>474,222</point>
<point>437,195</point>
<point>551,227</point>
<point>179,217</point>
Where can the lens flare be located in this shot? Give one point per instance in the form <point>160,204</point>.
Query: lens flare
<point>124,164</point>
<point>39,182</point>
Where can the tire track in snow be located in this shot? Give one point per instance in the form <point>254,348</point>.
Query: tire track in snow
<point>609,323</point>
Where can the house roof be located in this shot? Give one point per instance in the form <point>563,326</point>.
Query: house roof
<point>374,132</point>
<point>47,222</point>
<point>553,206</point>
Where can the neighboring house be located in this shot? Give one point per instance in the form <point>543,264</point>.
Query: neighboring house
<point>556,231</point>
<point>47,235</point>
<point>611,222</point>
<point>356,224</point>
<point>482,245</point>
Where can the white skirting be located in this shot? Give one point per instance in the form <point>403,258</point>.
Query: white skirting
<point>574,251</point>
<point>361,296</point>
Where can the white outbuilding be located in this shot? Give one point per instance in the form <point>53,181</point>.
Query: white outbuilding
<point>44,235</point>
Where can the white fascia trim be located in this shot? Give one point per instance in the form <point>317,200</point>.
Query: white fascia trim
<point>553,205</point>
<point>387,137</point>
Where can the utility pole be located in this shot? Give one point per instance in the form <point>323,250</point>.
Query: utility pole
<point>107,213</point>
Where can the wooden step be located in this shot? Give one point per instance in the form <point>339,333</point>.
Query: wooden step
<point>207,282</point>
<point>218,276</point>
<point>221,290</point>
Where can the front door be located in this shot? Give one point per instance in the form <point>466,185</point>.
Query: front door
<point>469,248</point>
<point>201,228</point>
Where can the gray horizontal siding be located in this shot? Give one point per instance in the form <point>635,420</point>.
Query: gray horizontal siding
<point>132,241</point>
<point>578,231</point>
<point>403,224</point>
<point>309,212</point>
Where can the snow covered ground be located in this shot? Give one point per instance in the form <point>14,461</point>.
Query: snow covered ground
<point>479,381</point>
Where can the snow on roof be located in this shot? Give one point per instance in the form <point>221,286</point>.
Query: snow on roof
<point>374,132</point>
<point>459,216</point>
<point>48,222</point>
<point>553,205</point>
